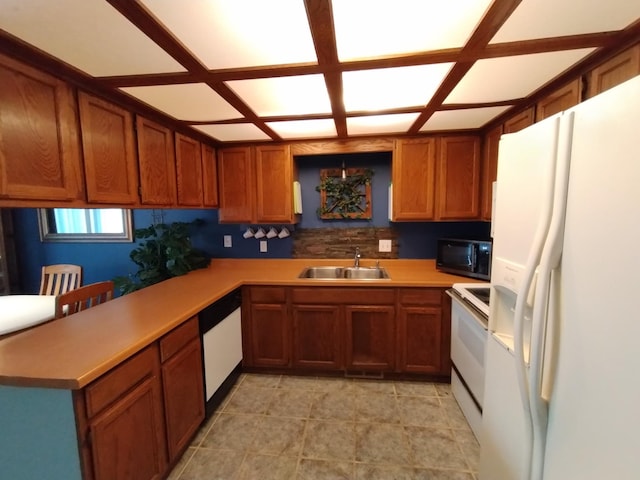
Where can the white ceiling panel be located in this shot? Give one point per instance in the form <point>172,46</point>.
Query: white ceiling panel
<point>195,101</point>
<point>462,119</point>
<point>380,124</point>
<point>374,28</point>
<point>237,132</point>
<point>509,78</point>
<point>372,90</point>
<point>239,33</point>
<point>318,128</point>
<point>305,94</point>
<point>551,18</point>
<point>90,35</point>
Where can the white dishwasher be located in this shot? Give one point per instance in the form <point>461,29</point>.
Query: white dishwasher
<point>220,330</point>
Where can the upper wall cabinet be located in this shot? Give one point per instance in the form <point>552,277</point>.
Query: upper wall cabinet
<point>562,99</point>
<point>39,139</point>
<point>413,178</point>
<point>620,68</point>
<point>256,185</point>
<point>522,120</point>
<point>489,171</point>
<point>156,157</point>
<point>209,176</point>
<point>188,171</point>
<point>458,173</point>
<point>109,148</point>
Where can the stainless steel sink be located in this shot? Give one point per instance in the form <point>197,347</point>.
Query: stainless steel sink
<point>338,273</point>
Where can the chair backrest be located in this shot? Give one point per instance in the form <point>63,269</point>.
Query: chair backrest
<point>83,298</point>
<point>57,279</point>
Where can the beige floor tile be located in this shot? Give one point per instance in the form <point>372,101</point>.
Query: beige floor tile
<point>330,440</point>
<point>249,399</point>
<point>455,415</point>
<point>292,403</point>
<point>310,469</point>
<point>373,386</point>
<point>337,405</point>
<point>422,411</point>
<point>180,466</point>
<point>279,436</point>
<point>213,465</point>
<point>383,472</point>
<point>377,408</point>
<point>232,432</point>
<point>436,448</point>
<point>334,384</point>
<point>443,389</point>
<point>259,380</point>
<point>382,444</point>
<point>267,467</point>
<point>293,381</point>
<point>424,389</point>
<point>470,447</point>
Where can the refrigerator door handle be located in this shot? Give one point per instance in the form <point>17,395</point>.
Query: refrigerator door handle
<point>549,260</point>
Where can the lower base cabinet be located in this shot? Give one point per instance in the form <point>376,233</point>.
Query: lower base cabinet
<point>355,329</point>
<point>135,421</point>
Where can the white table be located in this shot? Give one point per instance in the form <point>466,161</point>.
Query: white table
<point>23,311</point>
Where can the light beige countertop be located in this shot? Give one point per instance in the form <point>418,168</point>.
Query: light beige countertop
<point>71,352</point>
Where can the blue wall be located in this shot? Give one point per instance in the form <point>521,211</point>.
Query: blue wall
<point>104,261</point>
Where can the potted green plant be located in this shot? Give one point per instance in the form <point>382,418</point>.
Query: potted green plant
<point>166,252</point>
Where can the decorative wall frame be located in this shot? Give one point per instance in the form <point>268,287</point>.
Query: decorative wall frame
<point>347,196</point>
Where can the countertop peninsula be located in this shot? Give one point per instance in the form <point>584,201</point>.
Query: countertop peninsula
<point>71,352</point>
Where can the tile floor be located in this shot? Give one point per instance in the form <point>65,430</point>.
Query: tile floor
<point>286,427</point>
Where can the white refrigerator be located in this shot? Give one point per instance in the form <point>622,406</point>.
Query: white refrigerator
<point>562,386</point>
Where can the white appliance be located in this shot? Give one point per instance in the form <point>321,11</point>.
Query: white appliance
<point>469,315</point>
<point>562,393</point>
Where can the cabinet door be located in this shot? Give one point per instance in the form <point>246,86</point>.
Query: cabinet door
<point>613,72</point>
<point>269,336</point>
<point>108,143</point>
<point>370,337</point>
<point>209,176</point>
<point>420,335</point>
<point>489,171</point>
<point>183,391</point>
<point>156,157</point>
<point>274,184</point>
<point>413,178</point>
<point>520,121</point>
<point>236,185</point>
<point>40,143</point>
<point>458,187</point>
<point>317,337</point>
<point>128,438</point>
<point>562,99</point>
<point>188,171</point>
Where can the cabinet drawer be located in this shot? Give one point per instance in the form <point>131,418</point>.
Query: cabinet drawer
<point>420,296</point>
<point>111,386</point>
<point>173,341</point>
<point>352,296</point>
<point>267,294</point>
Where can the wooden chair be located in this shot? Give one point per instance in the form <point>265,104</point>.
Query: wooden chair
<point>83,298</point>
<point>57,279</point>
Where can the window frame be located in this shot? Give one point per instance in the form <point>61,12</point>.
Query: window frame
<point>47,235</point>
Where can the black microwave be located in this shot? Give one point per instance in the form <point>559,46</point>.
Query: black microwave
<point>470,258</point>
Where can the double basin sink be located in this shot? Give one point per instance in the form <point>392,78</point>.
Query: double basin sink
<point>344,273</point>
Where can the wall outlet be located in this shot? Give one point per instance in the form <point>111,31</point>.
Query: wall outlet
<point>227,241</point>
<point>263,246</point>
<point>384,245</point>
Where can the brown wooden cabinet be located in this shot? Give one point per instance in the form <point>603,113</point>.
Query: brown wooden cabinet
<point>562,99</point>
<point>209,176</point>
<point>519,121</point>
<point>189,171</point>
<point>40,142</point>
<point>490,146</point>
<point>182,385</point>
<point>266,327</point>
<point>256,185</point>
<point>108,144</point>
<point>370,337</point>
<point>458,178</point>
<point>317,337</point>
<point>156,157</point>
<point>613,72</point>
<point>125,429</point>
<point>413,179</point>
<point>423,333</point>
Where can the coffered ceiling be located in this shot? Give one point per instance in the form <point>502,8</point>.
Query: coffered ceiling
<point>260,70</point>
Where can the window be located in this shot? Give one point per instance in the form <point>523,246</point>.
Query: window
<point>85,225</point>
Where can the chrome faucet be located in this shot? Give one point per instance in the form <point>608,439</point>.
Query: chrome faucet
<point>356,259</point>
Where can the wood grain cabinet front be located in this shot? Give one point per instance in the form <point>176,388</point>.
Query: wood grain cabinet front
<point>157,163</point>
<point>189,171</point>
<point>317,337</point>
<point>562,99</point>
<point>209,176</point>
<point>39,140</point>
<point>614,71</point>
<point>490,146</point>
<point>109,148</point>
